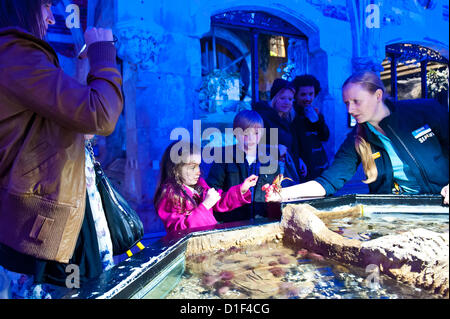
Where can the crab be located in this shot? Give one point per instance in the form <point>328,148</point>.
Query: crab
<point>276,184</point>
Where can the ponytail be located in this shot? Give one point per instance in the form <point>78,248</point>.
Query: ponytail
<point>365,153</point>
<point>371,82</point>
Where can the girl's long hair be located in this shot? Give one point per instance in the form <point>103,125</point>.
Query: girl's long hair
<point>169,183</point>
<point>370,82</point>
<point>25,14</point>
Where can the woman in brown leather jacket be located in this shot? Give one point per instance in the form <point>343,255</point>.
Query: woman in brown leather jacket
<point>44,115</point>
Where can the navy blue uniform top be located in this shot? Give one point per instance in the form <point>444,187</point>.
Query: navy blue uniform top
<point>418,130</point>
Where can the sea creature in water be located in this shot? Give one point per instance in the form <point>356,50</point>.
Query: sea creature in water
<point>302,253</point>
<point>316,256</point>
<point>209,280</point>
<point>226,275</point>
<point>277,271</point>
<point>284,260</point>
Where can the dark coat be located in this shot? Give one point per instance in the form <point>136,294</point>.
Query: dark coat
<point>227,174</point>
<point>310,137</point>
<point>427,155</point>
<point>286,131</point>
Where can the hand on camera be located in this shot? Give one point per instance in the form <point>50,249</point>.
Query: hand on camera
<point>97,35</point>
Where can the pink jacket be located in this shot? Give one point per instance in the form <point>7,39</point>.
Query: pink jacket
<point>174,219</point>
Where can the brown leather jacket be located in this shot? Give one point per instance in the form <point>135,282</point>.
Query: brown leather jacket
<point>44,115</point>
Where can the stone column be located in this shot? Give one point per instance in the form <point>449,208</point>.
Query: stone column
<point>298,56</point>
<point>138,48</point>
<point>161,75</point>
<point>368,48</point>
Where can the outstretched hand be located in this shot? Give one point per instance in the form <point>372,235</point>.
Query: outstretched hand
<point>271,194</point>
<point>249,182</point>
<point>212,197</point>
<point>444,193</point>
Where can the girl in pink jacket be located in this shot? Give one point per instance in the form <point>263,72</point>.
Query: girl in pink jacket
<point>183,200</point>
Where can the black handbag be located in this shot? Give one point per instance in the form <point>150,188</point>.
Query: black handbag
<point>124,224</point>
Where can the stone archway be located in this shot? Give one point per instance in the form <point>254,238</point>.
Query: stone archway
<point>412,62</point>
<point>317,58</point>
<point>240,51</point>
<point>306,26</point>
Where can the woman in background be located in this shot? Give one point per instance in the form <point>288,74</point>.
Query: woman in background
<point>279,114</point>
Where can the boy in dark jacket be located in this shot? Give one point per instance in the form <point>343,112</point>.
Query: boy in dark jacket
<point>247,159</point>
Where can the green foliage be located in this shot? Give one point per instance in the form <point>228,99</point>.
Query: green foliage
<point>216,84</point>
<point>437,81</point>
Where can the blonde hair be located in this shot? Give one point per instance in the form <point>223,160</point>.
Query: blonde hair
<point>287,115</point>
<point>364,151</point>
<point>370,82</point>
<point>246,119</point>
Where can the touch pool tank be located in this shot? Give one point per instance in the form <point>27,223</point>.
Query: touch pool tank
<point>251,259</point>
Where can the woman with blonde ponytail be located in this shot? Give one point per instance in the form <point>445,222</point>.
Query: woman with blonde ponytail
<point>370,82</point>
<point>365,152</point>
<point>403,146</point>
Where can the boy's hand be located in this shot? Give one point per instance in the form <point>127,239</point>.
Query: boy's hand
<point>249,182</point>
<point>303,168</point>
<point>282,150</point>
<point>212,197</point>
<point>271,194</point>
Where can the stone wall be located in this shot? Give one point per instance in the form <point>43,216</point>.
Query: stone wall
<point>159,46</point>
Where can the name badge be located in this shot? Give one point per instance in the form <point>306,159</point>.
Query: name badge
<point>376,155</point>
<point>423,133</point>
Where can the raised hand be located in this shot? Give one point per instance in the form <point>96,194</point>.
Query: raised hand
<point>271,194</point>
<point>249,182</point>
<point>212,197</point>
<point>97,35</point>
<point>445,194</point>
